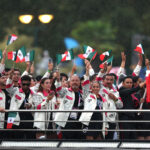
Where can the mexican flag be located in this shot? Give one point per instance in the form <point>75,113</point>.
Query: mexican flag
<point>11,55</point>
<point>139,49</point>
<point>103,55</point>
<point>68,55</point>
<point>92,55</point>
<point>1,54</point>
<point>21,53</point>
<point>107,61</point>
<point>11,118</point>
<point>87,51</point>
<point>148,86</point>
<point>11,39</point>
<point>30,56</point>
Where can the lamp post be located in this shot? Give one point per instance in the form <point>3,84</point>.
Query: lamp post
<point>43,18</point>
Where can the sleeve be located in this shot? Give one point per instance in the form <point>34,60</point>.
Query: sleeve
<point>120,71</point>
<point>25,73</point>
<point>137,70</point>
<point>99,77</point>
<point>46,75</point>
<point>128,91</point>
<point>91,72</point>
<point>36,87</point>
<point>2,67</point>
<point>118,102</point>
<point>86,86</point>
<point>60,90</point>
<point>9,87</point>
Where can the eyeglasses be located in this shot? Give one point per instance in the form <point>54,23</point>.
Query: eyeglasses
<point>25,84</point>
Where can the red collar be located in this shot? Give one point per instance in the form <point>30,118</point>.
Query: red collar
<point>45,93</point>
<point>112,88</point>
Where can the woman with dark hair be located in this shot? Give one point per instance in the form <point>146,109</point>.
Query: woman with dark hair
<point>92,102</point>
<point>48,101</point>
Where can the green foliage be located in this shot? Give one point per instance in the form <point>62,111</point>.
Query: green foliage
<point>98,34</point>
<point>84,20</point>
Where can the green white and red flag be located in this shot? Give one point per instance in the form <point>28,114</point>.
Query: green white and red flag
<point>87,51</point>
<point>11,55</point>
<point>30,56</point>
<point>20,56</point>
<point>11,119</point>
<point>11,39</point>
<point>139,49</point>
<point>108,61</point>
<point>105,54</point>
<point>68,55</point>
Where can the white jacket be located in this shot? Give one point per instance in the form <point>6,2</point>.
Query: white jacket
<point>111,104</point>
<point>18,99</point>
<point>2,104</point>
<point>68,98</point>
<point>42,116</point>
<point>90,103</point>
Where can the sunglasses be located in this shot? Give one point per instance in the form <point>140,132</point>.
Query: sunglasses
<point>25,84</point>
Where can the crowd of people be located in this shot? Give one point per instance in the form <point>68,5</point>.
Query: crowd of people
<point>60,91</point>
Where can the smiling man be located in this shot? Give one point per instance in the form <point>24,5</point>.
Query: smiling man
<point>23,98</point>
<point>72,99</point>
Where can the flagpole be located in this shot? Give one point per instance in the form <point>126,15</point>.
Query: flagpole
<point>141,105</point>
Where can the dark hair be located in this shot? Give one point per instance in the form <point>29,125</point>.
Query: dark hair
<point>113,74</point>
<point>25,78</point>
<point>38,78</point>
<point>93,77</point>
<point>109,74</point>
<point>135,79</point>
<point>63,75</point>
<point>82,78</point>
<point>7,69</point>
<point>127,77</point>
<point>32,78</point>
<point>121,77</point>
<point>17,70</point>
<point>42,82</point>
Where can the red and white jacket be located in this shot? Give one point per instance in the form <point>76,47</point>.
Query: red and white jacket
<point>18,99</point>
<point>110,104</point>
<point>68,98</point>
<point>42,116</point>
<point>2,105</point>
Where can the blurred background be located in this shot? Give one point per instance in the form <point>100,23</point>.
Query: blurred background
<point>102,24</point>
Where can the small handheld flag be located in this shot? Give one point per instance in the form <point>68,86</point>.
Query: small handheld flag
<point>11,39</point>
<point>87,51</point>
<point>21,53</point>
<point>139,49</point>
<point>30,56</point>
<point>11,55</point>
<point>103,55</point>
<point>11,119</point>
<point>68,55</point>
<point>107,61</point>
